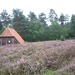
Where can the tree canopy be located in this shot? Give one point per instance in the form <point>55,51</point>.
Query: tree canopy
<point>36,28</point>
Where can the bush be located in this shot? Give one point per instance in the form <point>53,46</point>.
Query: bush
<point>36,58</point>
<point>62,38</point>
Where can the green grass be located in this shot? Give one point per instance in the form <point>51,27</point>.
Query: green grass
<point>55,72</point>
<point>49,72</point>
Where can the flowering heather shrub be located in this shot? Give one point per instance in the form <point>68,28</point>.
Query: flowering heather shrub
<point>35,58</point>
<point>70,69</point>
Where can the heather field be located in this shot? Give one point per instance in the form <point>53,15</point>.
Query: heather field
<point>38,58</point>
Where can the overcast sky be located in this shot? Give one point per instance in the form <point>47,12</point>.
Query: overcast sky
<point>38,6</point>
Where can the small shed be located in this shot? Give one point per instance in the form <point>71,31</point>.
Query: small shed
<point>10,36</point>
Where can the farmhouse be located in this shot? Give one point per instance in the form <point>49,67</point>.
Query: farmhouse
<point>10,36</point>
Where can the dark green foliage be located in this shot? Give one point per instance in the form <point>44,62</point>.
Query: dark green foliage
<point>72,26</point>
<point>22,28</point>
<point>42,18</point>
<point>20,23</point>
<point>56,31</point>
<point>5,18</point>
<point>18,15</point>
<point>53,16</point>
<point>62,38</point>
<point>1,26</point>
<point>32,16</point>
<point>63,19</point>
<point>2,30</point>
<point>33,28</point>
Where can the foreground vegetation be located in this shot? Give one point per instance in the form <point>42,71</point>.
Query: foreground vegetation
<point>38,58</point>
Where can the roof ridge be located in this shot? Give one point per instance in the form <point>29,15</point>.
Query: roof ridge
<point>11,31</point>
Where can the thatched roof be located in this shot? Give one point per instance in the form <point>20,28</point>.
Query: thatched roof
<point>9,32</point>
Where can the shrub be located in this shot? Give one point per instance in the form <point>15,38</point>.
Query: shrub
<point>35,58</point>
<point>62,38</point>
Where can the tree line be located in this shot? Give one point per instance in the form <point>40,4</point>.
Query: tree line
<point>33,28</point>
